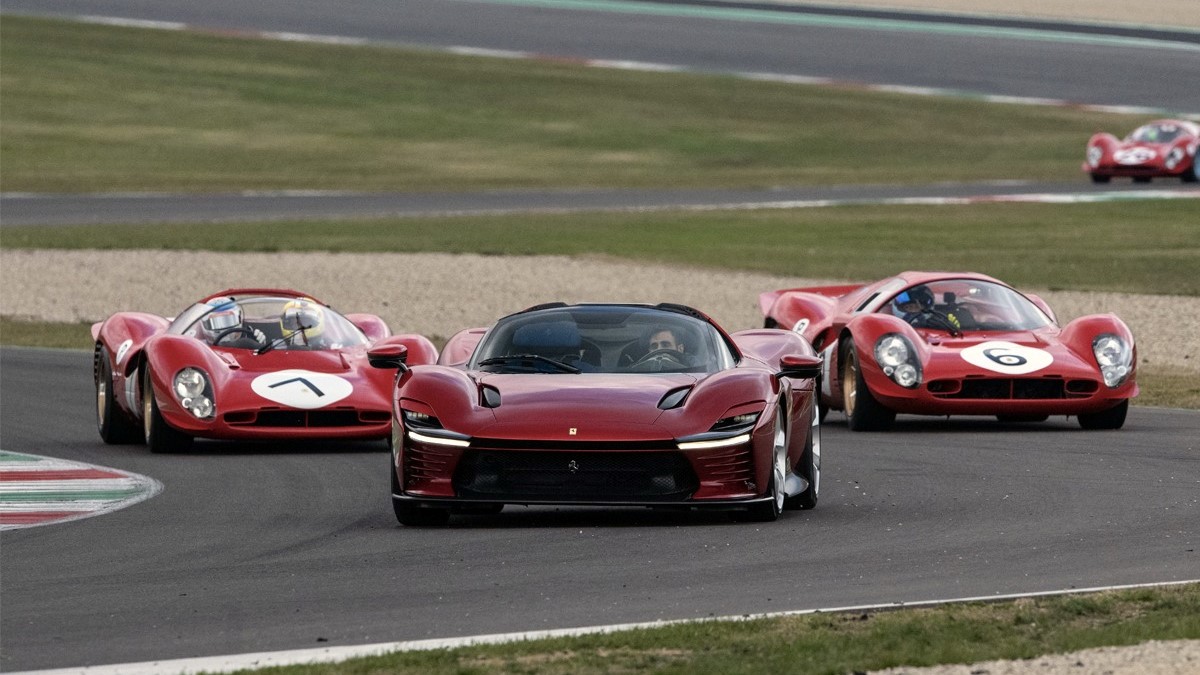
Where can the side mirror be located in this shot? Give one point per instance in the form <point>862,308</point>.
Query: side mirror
<point>798,366</point>
<point>388,356</point>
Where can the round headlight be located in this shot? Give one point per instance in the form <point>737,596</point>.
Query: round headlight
<point>906,376</point>
<point>891,351</point>
<point>189,383</point>
<point>1173,158</point>
<point>1094,154</point>
<point>1109,350</point>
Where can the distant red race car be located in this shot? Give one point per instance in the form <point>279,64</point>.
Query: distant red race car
<point>605,405</point>
<point>1164,148</point>
<point>935,343</point>
<point>245,363</point>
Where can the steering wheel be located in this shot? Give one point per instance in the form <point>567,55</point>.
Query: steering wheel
<point>668,354</point>
<point>243,330</point>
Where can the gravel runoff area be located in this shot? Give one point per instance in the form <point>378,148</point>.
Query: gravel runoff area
<point>1174,657</point>
<point>437,294</point>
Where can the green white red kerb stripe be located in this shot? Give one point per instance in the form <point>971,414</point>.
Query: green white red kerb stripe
<point>42,490</point>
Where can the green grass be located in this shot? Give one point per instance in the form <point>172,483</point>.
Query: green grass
<point>827,643</point>
<point>100,108</point>
<point>1145,247</point>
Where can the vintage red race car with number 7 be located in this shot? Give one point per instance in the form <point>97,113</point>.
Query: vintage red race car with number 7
<point>243,364</point>
<point>937,343</point>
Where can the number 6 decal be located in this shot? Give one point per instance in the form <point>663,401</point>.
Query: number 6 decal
<point>1007,357</point>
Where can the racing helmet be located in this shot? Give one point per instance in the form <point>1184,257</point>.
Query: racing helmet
<point>225,314</point>
<point>914,299</point>
<point>302,315</point>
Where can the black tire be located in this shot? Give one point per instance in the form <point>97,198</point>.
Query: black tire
<point>411,515</point>
<point>809,468</point>
<point>1113,418</point>
<point>1190,176</point>
<point>1013,419</point>
<point>863,412</point>
<point>1099,179</point>
<point>114,426</point>
<point>160,436</point>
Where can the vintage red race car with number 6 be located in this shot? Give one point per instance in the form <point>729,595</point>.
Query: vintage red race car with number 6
<point>244,364</point>
<point>1164,148</point>
<point>936,343</point>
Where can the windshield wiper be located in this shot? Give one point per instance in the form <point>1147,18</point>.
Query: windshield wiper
<point>557,365</point>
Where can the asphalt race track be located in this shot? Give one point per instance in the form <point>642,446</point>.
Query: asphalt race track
<point>258,548</point>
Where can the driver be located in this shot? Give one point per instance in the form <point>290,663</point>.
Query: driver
<point>303,323</point>
<point>915,307</point>
<point>222,323</point>
<point>664,338</point>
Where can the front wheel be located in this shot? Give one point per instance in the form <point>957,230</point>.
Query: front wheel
<point>1113,418</point>
<point>114,427</point>
<point>768,511</point>
<point>1190,176</point>
<point>809,467</point>
<point>160,436</point>
<point>1100,179</point>
<point>863,411</point>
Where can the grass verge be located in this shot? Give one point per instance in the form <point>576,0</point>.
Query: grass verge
<point>101,108</point>
<point>829,643</point>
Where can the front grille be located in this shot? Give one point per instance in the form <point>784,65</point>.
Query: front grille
<point>292,419</point>
<point>575,476</point>
<point>1000,388</point>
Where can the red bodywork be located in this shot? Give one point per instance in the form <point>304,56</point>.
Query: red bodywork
<point>134,341</point>
<point>593,437</point>
<point>1069,383</point>
<point>1169,151</point>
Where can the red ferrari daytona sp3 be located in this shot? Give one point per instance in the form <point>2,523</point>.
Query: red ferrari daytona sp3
<point>605,405</point>
<point>936,343</point>
<point>245,363</point>
<point>1164,148</point>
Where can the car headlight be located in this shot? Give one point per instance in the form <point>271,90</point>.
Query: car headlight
<point>1173,158</point>
<point>1114,357</point>
<point>420,420</point>
<point>896,356</point>
<point>1094,154</point>
<point>194,392</point>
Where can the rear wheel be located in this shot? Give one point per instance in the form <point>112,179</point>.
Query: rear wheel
<point>1113,418</point>
<point>114,427</point>
<point>160,436</point>
<point>863,411</point>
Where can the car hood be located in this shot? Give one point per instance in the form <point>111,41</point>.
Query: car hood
<point>332,361</point>
<point>598,405</point>
<point>1013,353</point>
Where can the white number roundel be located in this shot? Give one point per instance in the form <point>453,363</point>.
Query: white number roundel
<point>1007,357</point>
<point>302,388</point>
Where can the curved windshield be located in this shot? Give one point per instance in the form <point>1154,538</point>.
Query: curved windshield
<point>602,339</point>
<point>957,305</point>
<point>1156,133</point>
<point>266,323</point>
